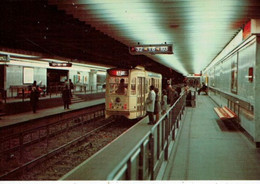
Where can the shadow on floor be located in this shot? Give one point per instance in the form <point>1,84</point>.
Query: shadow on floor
<point>227,125</point>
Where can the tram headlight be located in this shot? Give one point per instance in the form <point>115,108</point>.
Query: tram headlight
<point>118,99</point>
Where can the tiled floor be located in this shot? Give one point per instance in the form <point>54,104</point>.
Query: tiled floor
<point>208,149</point>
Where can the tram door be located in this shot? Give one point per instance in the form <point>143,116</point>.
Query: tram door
<point>140,96</point>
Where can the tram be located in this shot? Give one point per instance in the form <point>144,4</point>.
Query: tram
<point>127,90</point>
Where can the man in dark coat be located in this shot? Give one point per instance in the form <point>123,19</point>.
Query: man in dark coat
<point>34,97</point>
<point>66,97</point>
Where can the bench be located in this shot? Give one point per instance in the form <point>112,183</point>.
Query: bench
<point>26,93</point>
<point>225,113</point>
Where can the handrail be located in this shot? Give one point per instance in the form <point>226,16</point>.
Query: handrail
<point>146,136</point>
<point>142,157</point>
<point>242,102</point>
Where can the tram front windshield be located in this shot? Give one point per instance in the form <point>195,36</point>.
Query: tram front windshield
<point>118,85</point>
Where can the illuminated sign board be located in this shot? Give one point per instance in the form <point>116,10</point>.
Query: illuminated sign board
<point>118,72</point>
<point>151,49</point>
<point>54,64</point>
<point>247,30</point>
<point>4,58</point>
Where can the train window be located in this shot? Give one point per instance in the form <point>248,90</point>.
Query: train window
<point>146,86</point>
<point>118,85</point>
<point>133,86</point>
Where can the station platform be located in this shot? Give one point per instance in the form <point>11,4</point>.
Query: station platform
<point>12,119</point>
<point>19,105</point>
<point>208,149</point>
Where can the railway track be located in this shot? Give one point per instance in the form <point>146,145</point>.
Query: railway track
<point>26,145</point>
<point>66,149</point>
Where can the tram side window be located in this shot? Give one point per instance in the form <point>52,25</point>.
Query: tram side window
<point>156,82</point>
<point>118,85</point>
<point>133,86</point>
<point>146,86</point>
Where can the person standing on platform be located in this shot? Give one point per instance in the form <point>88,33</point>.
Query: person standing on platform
<point>203,88</point>
<point>66,97</point>
<point>150,101</point>
<point>34,97</point>
<point>71,87</point>
<point>174,96</point>
<point>170,93</point>
<point>164,101</point>
<point>156,105</point>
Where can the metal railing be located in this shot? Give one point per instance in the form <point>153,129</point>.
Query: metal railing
<point>23,92</point>
<point>153,149</point>
<point>141,157</point>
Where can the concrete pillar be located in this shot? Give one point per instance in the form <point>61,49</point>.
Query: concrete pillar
<point>92,80</point>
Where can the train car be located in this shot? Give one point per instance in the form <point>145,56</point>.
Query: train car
<point>127,90</point>
<point>234,82</point>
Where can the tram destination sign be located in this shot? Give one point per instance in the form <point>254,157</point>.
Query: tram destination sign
<point>118,72</point>
<point>151,49</point>
<point>56,64</point>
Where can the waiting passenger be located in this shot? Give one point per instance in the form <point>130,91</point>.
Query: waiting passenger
<point>71,87</point>
<point>66,97</point>
<point>203,88</point>
<point>121,90</point>
<point>170,92</point>
<point>156,105</point>
<point>34,96</point>
<point>150,101</point>
<point>175,96</point>
<point>186,88</point>
<point>164,101</point>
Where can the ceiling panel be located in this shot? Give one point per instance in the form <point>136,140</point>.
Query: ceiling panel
<point>198,29</point>
<point>102,30</point>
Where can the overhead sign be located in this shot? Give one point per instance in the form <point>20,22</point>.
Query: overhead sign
<point>4,58</point>
<point>55,64</point>
<point>151,49</point>
<point>118,72</point>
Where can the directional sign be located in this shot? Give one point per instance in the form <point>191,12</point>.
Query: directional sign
<point>151,49</point>
<point>55,64</point>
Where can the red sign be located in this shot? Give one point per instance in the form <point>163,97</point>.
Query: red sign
<point>118,72</point>
<point>247,30</point>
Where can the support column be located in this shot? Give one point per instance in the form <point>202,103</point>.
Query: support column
<point>93,80</point>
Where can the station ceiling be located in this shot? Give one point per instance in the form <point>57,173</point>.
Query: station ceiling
<point>102,30</point>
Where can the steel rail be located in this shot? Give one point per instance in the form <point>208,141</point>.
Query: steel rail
<point>55,151</point>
